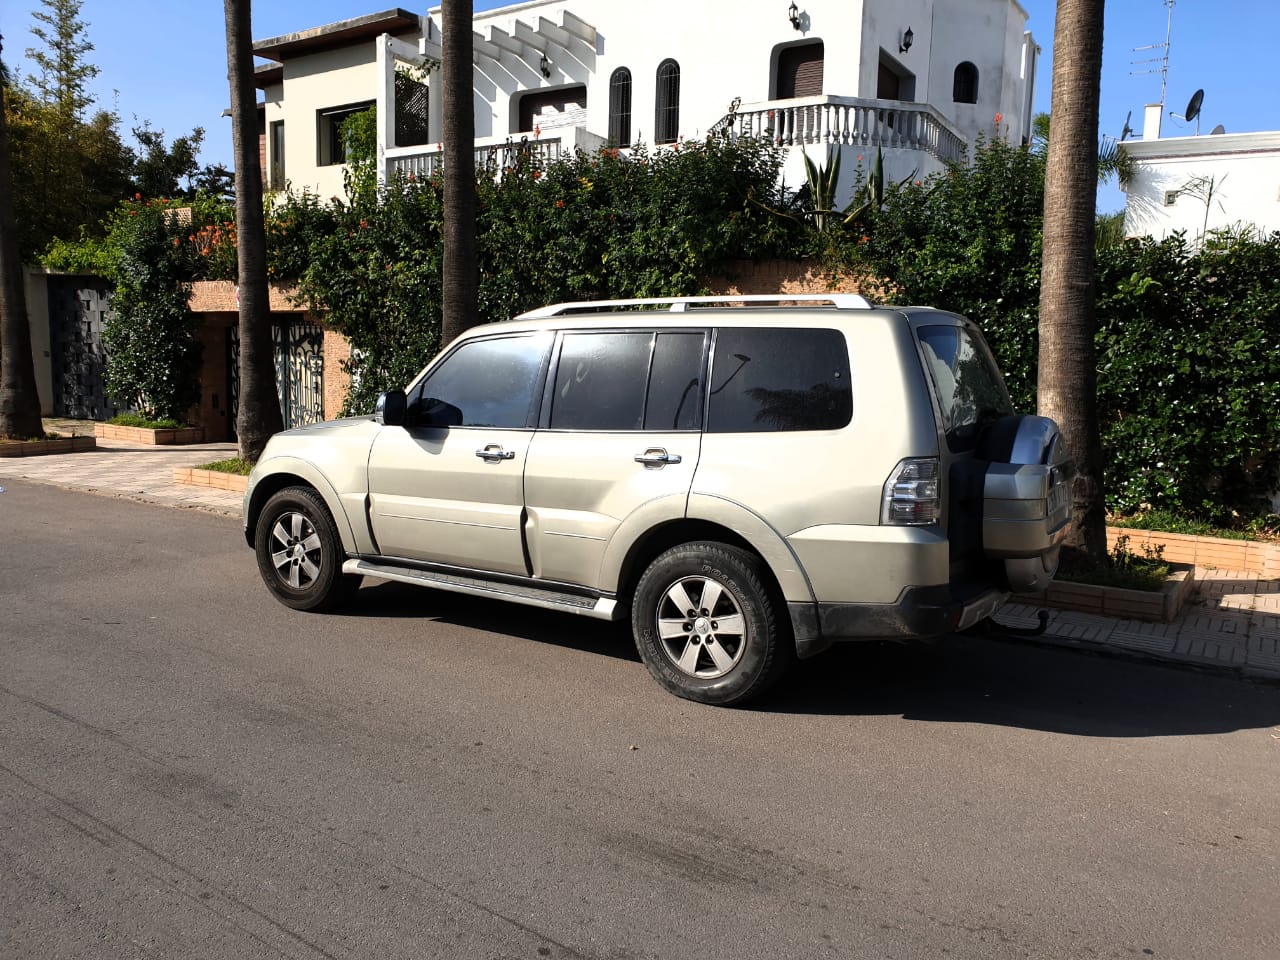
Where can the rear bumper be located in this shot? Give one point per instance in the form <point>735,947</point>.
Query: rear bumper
<point>918,613</point>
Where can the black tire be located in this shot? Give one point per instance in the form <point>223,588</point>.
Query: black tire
<point>299,551</point>
<point>726,654</point>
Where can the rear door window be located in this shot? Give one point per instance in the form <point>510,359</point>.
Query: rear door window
<point>775,379</point>
<point>968,385</point>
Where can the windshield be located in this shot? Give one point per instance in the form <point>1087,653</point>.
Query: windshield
<point>970,391</point>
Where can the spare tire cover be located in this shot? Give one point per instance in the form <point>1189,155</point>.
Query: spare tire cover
<point>1026,512</point>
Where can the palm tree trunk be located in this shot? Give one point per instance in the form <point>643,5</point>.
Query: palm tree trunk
<point>461,280</point>
<point>1067,383</point>
<point>258,416</point>
<point>19,400</point>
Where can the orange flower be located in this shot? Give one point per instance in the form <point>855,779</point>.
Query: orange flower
<point>999,119</point>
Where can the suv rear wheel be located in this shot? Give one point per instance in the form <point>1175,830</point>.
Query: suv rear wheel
<point>706,625</point>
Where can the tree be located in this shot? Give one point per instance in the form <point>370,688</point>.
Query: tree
<point>258,416</point>
<point>19,401</point>
<point>461,275</point>
<point>73,170</point>
<point>64,73</point>
<point>160,167</point>
<point>1067,379</point>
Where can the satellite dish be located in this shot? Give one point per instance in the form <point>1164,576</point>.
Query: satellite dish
<point>1127,132</point>
<point>1218,129</point>
<point>1193,106</point>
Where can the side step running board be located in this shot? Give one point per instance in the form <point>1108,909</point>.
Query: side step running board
<point>598,608</point>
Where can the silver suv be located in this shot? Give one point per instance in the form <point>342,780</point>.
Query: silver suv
<point>747,480</point>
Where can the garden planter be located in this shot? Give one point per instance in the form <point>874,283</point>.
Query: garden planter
<point>216,479</point>
<point>36,448</point>
<point>1247,556</point>
<point>164,436</point>
<point>1157,606</point>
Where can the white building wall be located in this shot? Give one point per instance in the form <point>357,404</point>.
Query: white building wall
<point>1244,170</point>
<point>724,50</point>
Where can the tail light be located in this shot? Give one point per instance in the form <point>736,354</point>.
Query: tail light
<point>911,494</point>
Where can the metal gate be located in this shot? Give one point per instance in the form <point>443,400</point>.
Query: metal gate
<point>78,308</point>
<point>298,347</point>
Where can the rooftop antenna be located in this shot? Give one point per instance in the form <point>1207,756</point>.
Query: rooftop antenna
<point>1127,132</point>
<point>1162,59</point>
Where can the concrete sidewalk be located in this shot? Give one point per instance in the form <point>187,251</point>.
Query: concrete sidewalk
<point>1232,623</point>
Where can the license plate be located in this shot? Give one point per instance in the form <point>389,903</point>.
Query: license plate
<point>1059,498</point>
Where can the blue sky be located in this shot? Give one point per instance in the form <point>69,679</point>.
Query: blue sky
<point>164,60</point>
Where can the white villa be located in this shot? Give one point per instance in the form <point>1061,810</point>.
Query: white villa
<point>921,79</point>
<point>1201,183</point>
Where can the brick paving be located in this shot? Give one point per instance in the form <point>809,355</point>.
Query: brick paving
<point>1231,623</point>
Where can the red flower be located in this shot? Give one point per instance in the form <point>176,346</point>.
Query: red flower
<point>999,118</point>
<point>559,204</point>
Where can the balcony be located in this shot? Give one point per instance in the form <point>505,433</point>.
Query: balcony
<point>851,122</point>
<point>495,153</point>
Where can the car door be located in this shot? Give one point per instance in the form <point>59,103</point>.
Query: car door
<point>616,447</point>
<point>448,486</point>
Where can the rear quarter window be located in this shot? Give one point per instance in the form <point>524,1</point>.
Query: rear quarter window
<point>968,386</point>
<point>779,379</point>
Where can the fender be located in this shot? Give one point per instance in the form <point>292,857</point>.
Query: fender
<point>355,537</point>
<point>767,541</point>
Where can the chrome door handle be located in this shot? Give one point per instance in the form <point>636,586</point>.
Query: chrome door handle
<point>657,457</point>
<point>494,453</point>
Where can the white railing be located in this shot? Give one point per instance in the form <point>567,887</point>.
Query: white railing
<point>851,121</point>
<point>497,154</point>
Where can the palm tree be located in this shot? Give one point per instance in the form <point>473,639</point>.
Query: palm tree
<point>1067,384</point>
<point>258,415</point>
<point>460,309</point>
<point>19,401</point>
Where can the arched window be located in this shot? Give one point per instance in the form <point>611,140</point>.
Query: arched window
<point>666,124</point>
<point>620,108</point>
<point>964,88</point>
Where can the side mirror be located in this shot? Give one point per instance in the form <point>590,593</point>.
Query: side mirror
<point>439,413</point>
<point>391,408</point>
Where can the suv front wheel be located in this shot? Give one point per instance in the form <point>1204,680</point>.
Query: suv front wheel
<point>706,625</point>
<point>299,552</point>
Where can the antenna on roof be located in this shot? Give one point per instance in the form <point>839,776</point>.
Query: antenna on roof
<point>1127,132</point>
<point>1162,59</point>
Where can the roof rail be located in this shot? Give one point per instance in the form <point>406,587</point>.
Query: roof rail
<point>842,301</point>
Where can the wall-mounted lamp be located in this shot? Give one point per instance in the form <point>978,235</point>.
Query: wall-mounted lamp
<point>793,14</point>
<point>545,66</point>
<point>907,37</point>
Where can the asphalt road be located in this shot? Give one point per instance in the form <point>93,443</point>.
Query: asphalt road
<point>189,769</point>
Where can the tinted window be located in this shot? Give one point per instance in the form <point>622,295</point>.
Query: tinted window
<point>675,397</point>
<point>600,381</point>
<point>491,383</point>
<point>970,391</point>
<point>769,379</point>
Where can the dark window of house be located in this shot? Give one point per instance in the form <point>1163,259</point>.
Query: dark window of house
<point>600,381</point>
<point>800,71</point>
<point>675,394</point>
<point>779,379</point>
<point>412,102</point>
<point>276,179</point>
<point>620,108</point>
<point>532,105</point>
<point>666,123</point>
<point>330,148</point>
<point>964,87</point>
<point>484,383</point>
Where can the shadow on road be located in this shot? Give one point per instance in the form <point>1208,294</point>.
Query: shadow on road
<point>957,679</point>
<point>1020,684</point>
